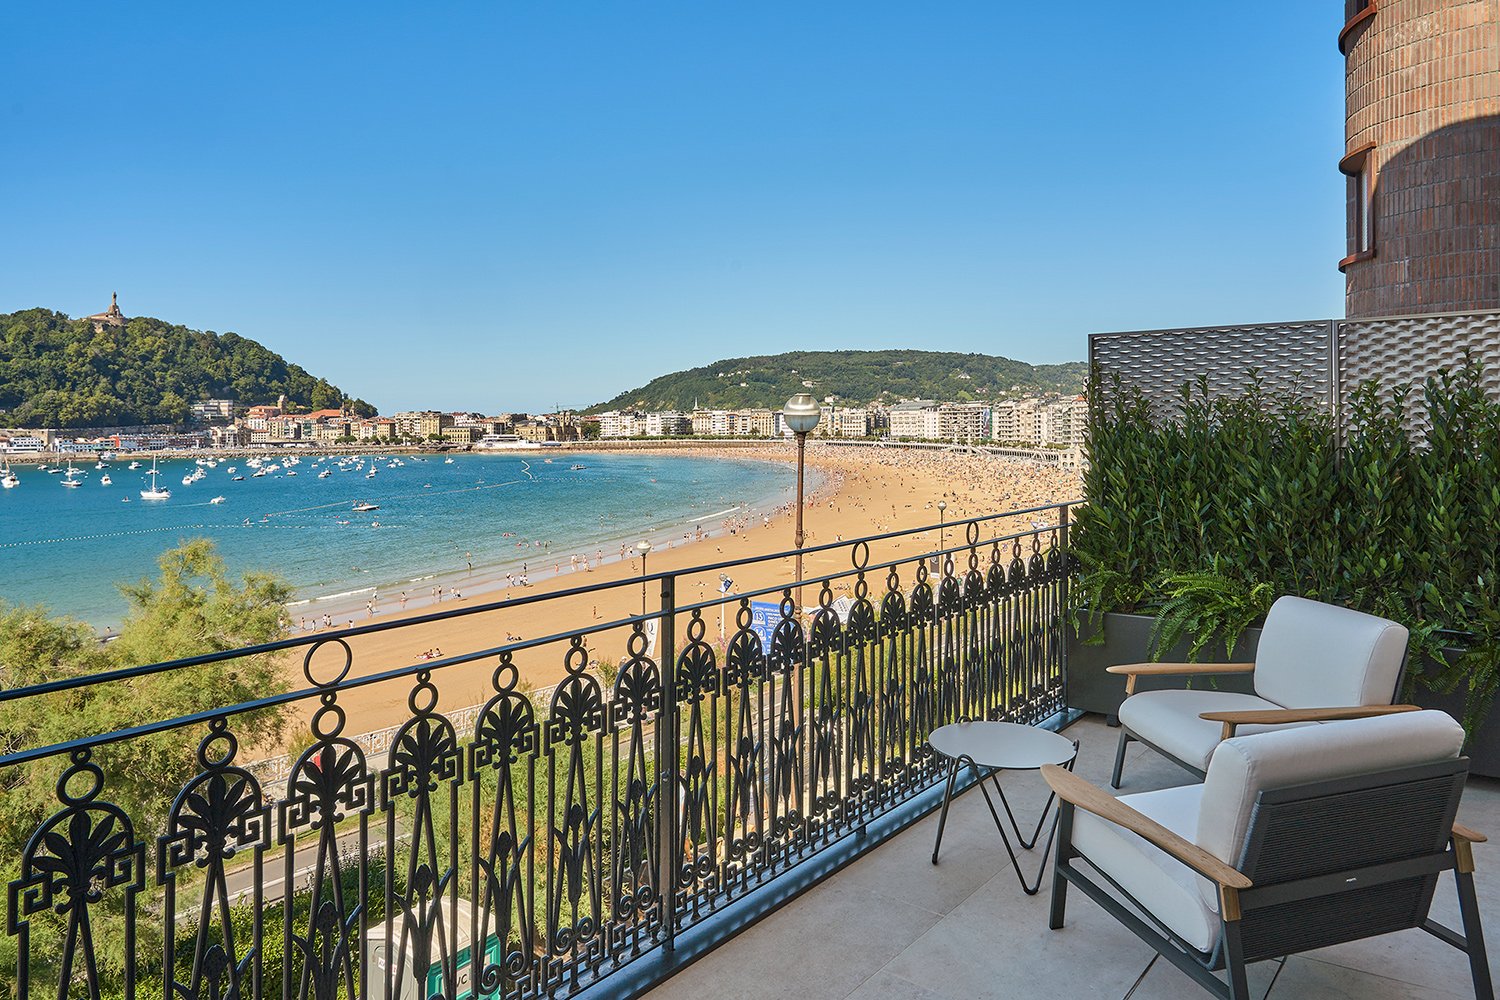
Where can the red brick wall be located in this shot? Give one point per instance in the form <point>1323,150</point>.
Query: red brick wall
<point>1423,83</point>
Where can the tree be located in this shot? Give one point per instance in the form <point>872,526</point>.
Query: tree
<point>191,608</point>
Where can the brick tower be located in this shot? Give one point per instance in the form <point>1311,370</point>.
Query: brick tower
<point>1422,142</point>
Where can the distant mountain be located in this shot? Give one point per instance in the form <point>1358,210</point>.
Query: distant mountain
<point>108,370</point>
<point>855,376</point>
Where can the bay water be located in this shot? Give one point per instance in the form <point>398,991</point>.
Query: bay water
<point>439,523</point>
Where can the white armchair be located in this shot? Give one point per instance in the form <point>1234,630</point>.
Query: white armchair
<point>1315,663</point>
<point>1296,839</point>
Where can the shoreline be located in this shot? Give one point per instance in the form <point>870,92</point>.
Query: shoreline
<point>554,564</point>
<point>867,491</point>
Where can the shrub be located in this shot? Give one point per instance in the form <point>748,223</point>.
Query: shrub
<point>1204,517</point>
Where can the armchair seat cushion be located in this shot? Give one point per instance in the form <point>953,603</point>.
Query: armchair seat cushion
<point>1162,885</point>
<point>1169,720</point>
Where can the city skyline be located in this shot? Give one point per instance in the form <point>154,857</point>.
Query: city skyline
<point>536,207</point>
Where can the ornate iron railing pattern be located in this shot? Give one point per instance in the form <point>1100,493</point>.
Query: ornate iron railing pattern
<point>546,843</point>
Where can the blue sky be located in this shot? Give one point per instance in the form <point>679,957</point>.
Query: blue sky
<point>515,205</point>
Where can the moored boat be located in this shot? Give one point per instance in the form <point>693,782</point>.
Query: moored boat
<point>155,492</point>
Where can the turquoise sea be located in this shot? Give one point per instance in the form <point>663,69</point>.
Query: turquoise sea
<point>464,522</point>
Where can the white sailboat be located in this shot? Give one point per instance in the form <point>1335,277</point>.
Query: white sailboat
<point>155,493</point>
<point>7,478</point>
<point>71,480</point>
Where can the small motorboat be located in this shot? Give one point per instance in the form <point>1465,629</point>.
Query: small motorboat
<point>104,480</point>
<point>364,507</point>
<point>217,500</point>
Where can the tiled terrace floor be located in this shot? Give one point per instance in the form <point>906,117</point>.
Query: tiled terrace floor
<point>893,927</point>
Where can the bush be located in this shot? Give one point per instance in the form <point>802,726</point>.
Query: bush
<point>1205,517</point>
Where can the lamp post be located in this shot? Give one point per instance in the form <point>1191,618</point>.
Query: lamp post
<point>801,414</point>
<point>942,510</point>
<point>644,548</point>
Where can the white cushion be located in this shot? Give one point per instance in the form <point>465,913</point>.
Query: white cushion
<point>1245,765</point>
<point>1169,720</point>
<point>1315,655</point>
<point>1157,881</point>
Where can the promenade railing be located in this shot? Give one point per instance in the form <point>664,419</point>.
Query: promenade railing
<point>591,841</point>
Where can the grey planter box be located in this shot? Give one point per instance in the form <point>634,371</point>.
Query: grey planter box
<point>1126,640</point>
<point>1483,747</point>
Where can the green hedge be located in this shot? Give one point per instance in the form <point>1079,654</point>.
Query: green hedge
<point>1204,518</point>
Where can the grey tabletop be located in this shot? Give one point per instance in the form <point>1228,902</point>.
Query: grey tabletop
<point>1006,745</point>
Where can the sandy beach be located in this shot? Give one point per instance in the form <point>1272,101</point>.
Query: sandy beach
<point>865,491</point>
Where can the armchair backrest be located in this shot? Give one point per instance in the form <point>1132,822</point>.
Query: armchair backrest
<point>1245,766</point>
<point>1315,655</point>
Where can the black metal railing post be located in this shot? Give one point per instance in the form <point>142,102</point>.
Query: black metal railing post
<point>1065,609</point>
<point>667,757</point>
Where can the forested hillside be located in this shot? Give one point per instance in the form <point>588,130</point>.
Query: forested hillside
<point>59,372</point>
<point>856,376</point>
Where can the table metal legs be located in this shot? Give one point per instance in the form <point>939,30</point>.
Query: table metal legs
<point>979,779</point>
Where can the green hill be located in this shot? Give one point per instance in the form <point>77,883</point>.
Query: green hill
<point>856,376</point>
<point>60,372</point>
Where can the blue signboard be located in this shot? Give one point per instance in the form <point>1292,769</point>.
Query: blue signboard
<point>764,617</point>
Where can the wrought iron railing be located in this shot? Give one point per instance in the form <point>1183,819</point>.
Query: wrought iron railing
<point>543,847</point>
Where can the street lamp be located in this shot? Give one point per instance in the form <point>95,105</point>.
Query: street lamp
<point>644,548</point>
<point>800,414</point>
<point>942,510</point>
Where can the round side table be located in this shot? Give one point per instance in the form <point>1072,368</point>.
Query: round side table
<point>988,748</point>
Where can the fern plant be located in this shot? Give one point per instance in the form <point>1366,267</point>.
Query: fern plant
<point>1207,605</point>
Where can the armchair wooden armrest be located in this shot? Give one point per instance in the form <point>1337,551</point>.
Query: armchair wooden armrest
<point>1282,716</point>
<point>1464,840</point>
<point>1090,798</point>
<point>1134,670</point>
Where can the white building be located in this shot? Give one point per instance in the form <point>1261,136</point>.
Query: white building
<point>1041,422</point>
<point>622,424</point>
<point>668,423</point>
<point>852,422</point>
<point>916,420</point>
<point>212,409</point>
<point>759,422</point>
<point>963,422</point>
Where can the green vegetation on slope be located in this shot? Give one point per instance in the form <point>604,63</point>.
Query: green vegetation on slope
<point>193,607</point>
<point>855,376</point>
<point>57,372</point>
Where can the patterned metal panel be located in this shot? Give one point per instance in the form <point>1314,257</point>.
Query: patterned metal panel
<point>1289,357</point>
<point>1405,350</point>
<point>1323,360</point>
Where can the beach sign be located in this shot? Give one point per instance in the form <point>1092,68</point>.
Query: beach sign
<point>764,616</point>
